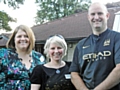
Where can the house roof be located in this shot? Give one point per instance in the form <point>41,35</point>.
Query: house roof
<point>3,39</point>
<point>75,26</point>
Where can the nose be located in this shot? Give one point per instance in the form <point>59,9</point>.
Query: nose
<point>96,16</point>
<point>56,50</point>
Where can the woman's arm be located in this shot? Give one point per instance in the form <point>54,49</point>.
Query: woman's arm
<point>3,66</point>
<point>35,86</point>
<point>36,78</point>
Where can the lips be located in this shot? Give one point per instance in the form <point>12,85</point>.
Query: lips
<point>97,20</point>
<point>23,42</point>
<point>56,54</point>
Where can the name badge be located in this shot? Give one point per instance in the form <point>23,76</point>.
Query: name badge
<point>67,76</point>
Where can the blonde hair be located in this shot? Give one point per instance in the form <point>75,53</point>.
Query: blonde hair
<point>59,40</point>
<point>28,31</point>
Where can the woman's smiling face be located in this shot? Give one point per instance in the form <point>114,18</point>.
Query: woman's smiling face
<point>21,40</point>
<point>55,52</point>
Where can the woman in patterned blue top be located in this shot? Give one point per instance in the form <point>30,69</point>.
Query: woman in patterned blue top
<point>18,60</point>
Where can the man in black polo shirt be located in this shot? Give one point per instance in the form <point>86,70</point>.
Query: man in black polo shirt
<point>96,60</point>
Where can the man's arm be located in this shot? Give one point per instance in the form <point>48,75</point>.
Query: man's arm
<point>77,81</point>
<point>112,79</point>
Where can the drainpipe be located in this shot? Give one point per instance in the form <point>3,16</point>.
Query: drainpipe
<point>116,25</point>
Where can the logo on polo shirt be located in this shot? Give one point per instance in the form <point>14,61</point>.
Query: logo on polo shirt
<point>85,46</point>
<point>106,42</point>
<point>96,56</point>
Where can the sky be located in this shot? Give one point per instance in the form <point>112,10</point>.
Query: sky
<point>27,12</point>
<point>24,15</point>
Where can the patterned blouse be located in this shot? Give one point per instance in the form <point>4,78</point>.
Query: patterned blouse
<point>13,74</point>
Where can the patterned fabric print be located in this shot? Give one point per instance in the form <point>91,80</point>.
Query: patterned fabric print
<point>16,73</point>
<point>3,67</point>
<point>59,81</point>
<point>63,84</point>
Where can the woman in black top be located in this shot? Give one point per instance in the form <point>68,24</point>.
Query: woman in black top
<point>53,75</point>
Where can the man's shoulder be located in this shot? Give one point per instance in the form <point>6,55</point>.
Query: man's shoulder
<point>114,34</point>
<point>84,40</point>
<point>113,31</point>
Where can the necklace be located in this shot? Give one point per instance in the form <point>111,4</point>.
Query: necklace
<point>58,71</point>
<point>29,59</point>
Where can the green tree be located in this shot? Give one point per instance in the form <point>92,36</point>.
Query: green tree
<point>55,9</point>
<point>4,17</point>
<point>82,6</point>
<point>4,20</point>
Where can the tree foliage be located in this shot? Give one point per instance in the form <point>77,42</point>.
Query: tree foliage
<point>4,17</point>
<point>4,20</point>
<point>55,9</point>
<point>83,6</point>
<point>13,3</point>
